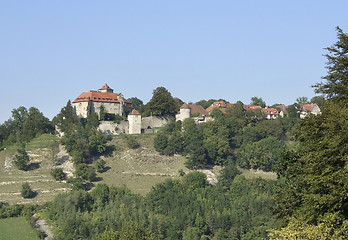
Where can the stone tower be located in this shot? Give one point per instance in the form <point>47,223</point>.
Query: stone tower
<point>134,120</point>
<point>185,112</point>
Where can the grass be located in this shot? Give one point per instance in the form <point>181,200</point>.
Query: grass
<point>16,228</point>
<point>139,169</point>
<point>39,178</point>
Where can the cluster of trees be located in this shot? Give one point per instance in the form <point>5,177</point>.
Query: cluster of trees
<point>24,125</point>
<point>82,141</point>
<point>176,209</point>
<point>245,137</point>
<point>312,197</point>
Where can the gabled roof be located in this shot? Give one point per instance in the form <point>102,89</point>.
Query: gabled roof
<point>95,96</point>
<point>134,112</point>
<point>184,106</point>
<point>218,104</point>
<point>197,109</point>
<point>251,107</point>
<point>105,87</point>
<point>308,107</point>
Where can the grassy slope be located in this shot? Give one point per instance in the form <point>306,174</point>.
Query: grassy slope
<point>139,169</point>
<point>16,228</point>
<point>39,178</point>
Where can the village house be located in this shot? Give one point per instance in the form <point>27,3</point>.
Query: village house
<point>189,110</point>
<point>113,103</point>
<point>270,113</point>
<point>306,109</point>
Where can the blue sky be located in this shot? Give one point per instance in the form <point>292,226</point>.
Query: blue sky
<point>51,51</point>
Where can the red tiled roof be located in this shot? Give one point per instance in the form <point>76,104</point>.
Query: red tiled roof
<point>251,107</point>
<point>106,86</point>
<point>308,107</point>
<point>97,97</point>
<point>134,112</point>
<point>184,106</point>
<point>219,104</point>
<point>270,111</point>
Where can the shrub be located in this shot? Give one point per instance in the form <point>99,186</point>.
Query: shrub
<point>100,165</point>
<point>26,191</point>
<point>132,142</point>
<point>22,159</point>
<point>58,174</point>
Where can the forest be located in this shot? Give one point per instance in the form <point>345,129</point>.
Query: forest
<point>308,200</point>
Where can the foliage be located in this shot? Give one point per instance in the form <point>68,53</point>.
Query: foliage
<point>66,120</point>
<point>26,191</point>
<point>85,172</point>
<point>162,103</point>
<point>136,102</point>
<point>58,174</point>
<point>311,199</point>
<point>258,102</point>
<point>132,142</point>
<point>263,154</point>
<point>100,165</point>
<point>302,100</point>
<point>22,159</point>
<point>186,209</point>
<point>336,84</point>
<point>102,113</point>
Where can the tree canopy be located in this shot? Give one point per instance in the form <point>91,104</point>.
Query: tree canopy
<point>162,103</point>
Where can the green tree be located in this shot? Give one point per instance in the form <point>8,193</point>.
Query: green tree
<point>58,174</point>
<point>136,102</point>
<point>100,165</point>
<point>26,191</point>
<point>319,100</point>
<point>315,179</point>
<point>302,100</point>
<point>161,104</point>
<point>102,113</point>
<point>336,84</point>
<point>258,102</point>
<point>22,159</point>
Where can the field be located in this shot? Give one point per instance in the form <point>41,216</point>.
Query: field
<point>16,228</point>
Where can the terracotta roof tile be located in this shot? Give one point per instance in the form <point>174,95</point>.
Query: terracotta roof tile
<point>97,97</point>
<point>184,106</point>
<point>134,112</point>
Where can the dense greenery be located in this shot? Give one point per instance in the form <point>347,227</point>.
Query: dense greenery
<point>161,104</point>
<point>23,126</point>
<point>186,209</point>
<point>312,198</point>
<point>241,136</point>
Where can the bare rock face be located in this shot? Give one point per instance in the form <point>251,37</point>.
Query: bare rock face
<point>65,162</point>
<point>8,162</point>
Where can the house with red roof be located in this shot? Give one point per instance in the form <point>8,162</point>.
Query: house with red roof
<point>271,113</point>
<point>306,109</point>
<point>113,103</point>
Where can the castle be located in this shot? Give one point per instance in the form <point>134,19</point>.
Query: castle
<point>93,101</point>
<point>114,103</point>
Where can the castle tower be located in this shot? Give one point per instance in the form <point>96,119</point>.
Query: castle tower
<point>134,120</point>
<point>185,112</point>
<point>106,89</point>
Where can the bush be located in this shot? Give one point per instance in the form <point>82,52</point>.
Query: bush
<point>58,174</point>
<point>85,172</point>
<point>26,191</point>
<point>22,159</point>
<point>100,165</point>
<point>132,142</point>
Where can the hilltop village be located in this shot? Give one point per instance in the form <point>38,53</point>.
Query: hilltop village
<point>105,101</point>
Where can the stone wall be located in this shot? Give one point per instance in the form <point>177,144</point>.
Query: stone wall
<point>149,123</point>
